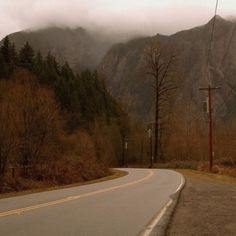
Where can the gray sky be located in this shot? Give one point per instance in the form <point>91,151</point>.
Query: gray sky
<point>127,17</point>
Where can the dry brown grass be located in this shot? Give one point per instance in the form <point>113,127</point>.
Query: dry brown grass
<point>220,169</point>
<point>203,175</point>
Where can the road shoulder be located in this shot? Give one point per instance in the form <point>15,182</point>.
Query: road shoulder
<point>207,206</point>
<point>159,224</point>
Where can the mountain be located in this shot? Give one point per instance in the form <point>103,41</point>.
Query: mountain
<point>79,47</point>
<point>123,66</point>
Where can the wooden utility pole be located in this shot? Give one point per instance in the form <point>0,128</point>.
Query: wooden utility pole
<point>210,128</point>
<point>156,144</point>
<point>150,143</point>
<point>125,152</point>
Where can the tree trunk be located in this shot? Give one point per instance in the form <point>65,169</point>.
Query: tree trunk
<point>156,145</point>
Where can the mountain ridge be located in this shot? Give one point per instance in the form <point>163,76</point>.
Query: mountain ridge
<point>192,47</point>
<point>80,48</point>
<point>122,63</point>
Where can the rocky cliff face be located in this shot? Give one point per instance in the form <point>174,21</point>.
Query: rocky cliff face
<point>124,69</point>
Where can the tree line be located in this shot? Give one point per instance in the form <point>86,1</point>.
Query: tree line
<point>82,94</point>
<point>49,114</point>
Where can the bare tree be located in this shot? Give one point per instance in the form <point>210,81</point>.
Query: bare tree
<point>38,118</point>
<point>161,67</point>
<point>8,129</point>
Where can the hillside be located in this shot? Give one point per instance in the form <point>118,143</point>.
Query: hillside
<point>124,69</point>
<point>80,48</point>
<point>55,125</point>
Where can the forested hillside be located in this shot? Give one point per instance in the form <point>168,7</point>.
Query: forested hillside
<point>56,126</point>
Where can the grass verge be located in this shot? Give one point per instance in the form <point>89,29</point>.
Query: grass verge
<point>190,169</point>
<point>202,175</point>
<point>115,174</point>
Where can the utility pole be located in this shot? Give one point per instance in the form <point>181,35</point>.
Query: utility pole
<point>125,151</point>
<point>157,131</point>
<point>209,89</point>
<point>150,143</point>
<point>141,151</point>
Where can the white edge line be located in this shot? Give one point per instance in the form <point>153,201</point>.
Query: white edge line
<point>181,184</point>
<point>151,226</point>
<point>156,220</point>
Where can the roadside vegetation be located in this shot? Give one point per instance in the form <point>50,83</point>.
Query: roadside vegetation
<point>56,127</point>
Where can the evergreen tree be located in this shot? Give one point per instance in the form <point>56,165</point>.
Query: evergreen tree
<point>6,50</point>
<point>50,72</point>
<point>67,72</point>
<point>13,53</point>
<point>39,64</point>
<point>13,59</point>
<point>4,68</point>
<point>26,57</point>
<point>52,63</point>
<point>8,60</point>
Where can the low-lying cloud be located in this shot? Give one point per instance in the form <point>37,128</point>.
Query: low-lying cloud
<point>120,17</point>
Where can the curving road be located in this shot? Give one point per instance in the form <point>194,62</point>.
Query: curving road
<point>122,206</point>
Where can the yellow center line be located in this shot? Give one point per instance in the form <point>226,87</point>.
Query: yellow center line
<point>71,198</point>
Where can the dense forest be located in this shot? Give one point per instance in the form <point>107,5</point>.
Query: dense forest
<point>55,126</point>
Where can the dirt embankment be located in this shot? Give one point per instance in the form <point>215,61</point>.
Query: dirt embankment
<point>207,206</point>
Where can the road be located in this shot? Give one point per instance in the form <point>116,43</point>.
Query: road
<point>122,206</point>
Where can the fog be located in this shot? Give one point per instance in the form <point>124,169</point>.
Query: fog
<point>122,18</point>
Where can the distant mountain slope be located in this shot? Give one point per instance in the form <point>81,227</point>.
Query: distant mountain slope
<point>123,63</point>
<point>77,46</point>
<point>123,67</point>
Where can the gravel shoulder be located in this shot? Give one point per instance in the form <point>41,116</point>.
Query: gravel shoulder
<point>207,206</point>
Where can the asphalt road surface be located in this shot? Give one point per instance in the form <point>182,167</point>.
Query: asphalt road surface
<point>123,206</point>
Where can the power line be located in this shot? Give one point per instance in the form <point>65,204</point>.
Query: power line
<point>209,89</point>
<point>211,39</point>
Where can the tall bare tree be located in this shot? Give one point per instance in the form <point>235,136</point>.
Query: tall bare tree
<point>8,128</point>
<point>161,67</point>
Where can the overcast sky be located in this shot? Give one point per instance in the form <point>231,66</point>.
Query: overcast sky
<point>116,16</point>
